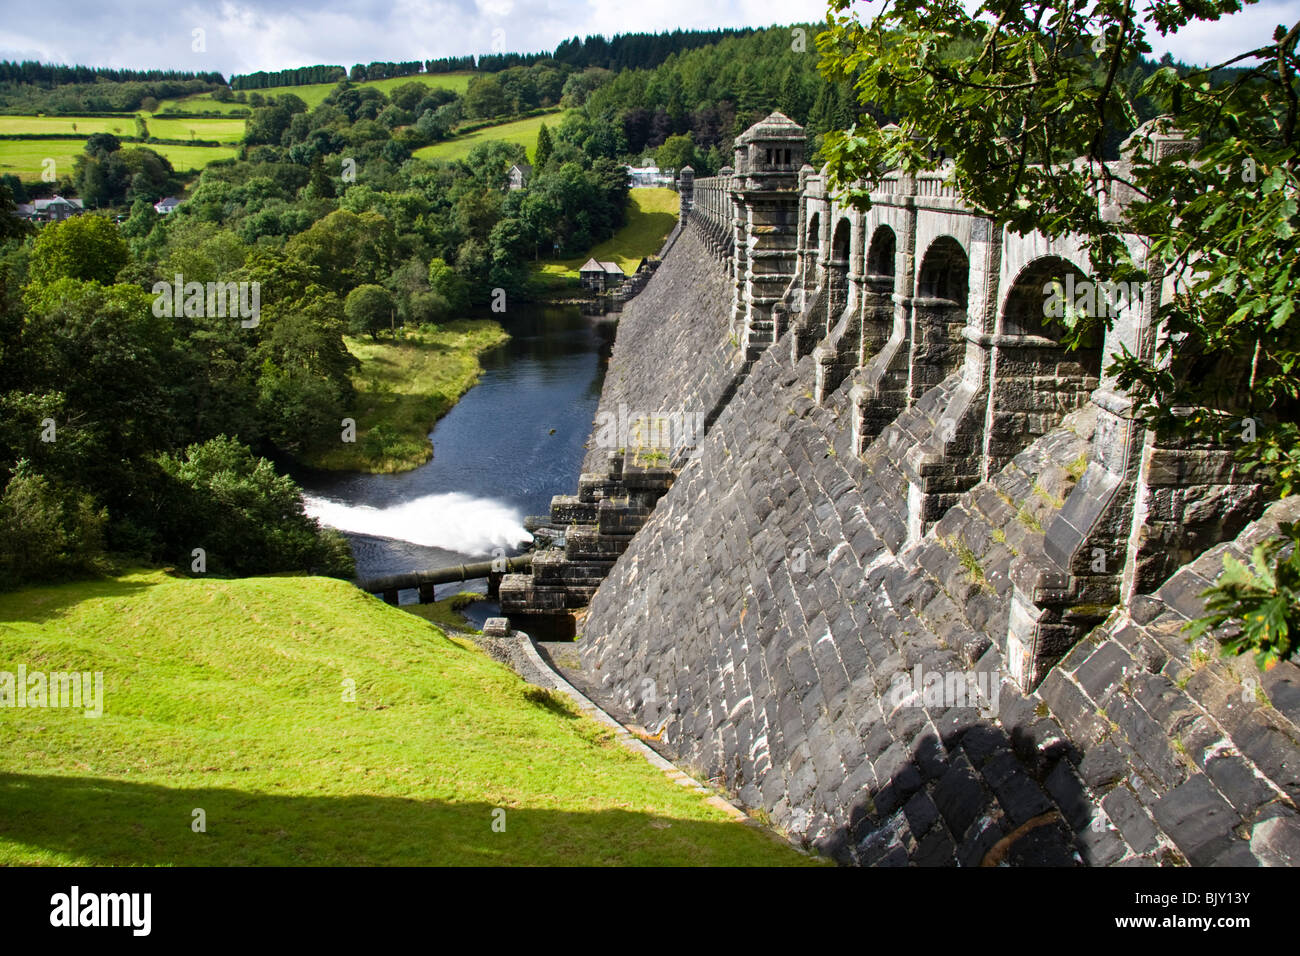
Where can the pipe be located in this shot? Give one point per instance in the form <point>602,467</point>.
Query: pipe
<point>456,572</point>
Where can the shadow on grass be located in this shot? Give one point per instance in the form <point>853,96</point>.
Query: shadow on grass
<point>39,603</point>
<point>657,224</point>
<point>104,821</point>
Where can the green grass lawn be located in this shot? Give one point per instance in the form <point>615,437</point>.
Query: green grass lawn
<point>220,130</point>
<point>123,125</point>
<point>522,131</point>
<point>446,614</point>
<point>23,157</point>
<point>403,388</point>
<point>651,215</point>
<point>228,696</point>
<point>313,94</point>
<point>189,159</point>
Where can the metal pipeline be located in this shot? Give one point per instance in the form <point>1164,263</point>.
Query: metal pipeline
<point>424,581</point>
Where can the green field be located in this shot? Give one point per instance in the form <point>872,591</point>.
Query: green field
<point>230,697</point>
<point>522,131</point>
<point>187,159</point>
<point>220,130</point>
<point>23,157</point>
<point>313,94</point>
<point>68,125</point>
<point>652,213</point>
<point>404,387</point>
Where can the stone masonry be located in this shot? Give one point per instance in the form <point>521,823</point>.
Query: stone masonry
<point>915,588</point>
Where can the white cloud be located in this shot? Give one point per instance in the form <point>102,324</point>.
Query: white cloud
<point>1204,44</point>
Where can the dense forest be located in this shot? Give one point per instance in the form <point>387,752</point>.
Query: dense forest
<point>52,74</point>
<point>299,76</point>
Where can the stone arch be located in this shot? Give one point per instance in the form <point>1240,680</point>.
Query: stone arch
<point>1036,380</point>
<point>812,245</point>
<point>945,272</point>
<point>837,270</point>
<point>812,235</point>
<point>882,259</point>
<point>879,286</point>
<point>939,316</point>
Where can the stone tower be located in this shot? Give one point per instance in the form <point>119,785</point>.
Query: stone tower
<point>765,203</point>
<point>685,190</point>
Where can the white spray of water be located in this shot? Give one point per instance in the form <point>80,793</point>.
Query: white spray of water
<point>453,521</point>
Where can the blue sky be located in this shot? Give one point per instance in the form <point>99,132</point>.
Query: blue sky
<point>245,35</point>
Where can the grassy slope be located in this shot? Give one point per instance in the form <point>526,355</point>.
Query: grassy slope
<point>221,130</point>
<point>446,614</point>
<point>313,94</point>
<point>23,157</point>
<point>652,213</point>
<point>226,696</point>
<point>520,131</point>
<point>407,386</point>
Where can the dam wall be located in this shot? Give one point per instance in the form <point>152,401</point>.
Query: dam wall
<point>914,589</point>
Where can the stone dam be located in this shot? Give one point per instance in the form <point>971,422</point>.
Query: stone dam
<point>912,584</point>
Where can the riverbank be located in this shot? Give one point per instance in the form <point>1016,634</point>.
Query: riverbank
<point>514,440</point>
<point>403,388</point>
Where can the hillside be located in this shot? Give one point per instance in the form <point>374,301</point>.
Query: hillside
<point>225,696</point>
<point>651,215</point>
<point>522,131</point>
<point>313,94</point>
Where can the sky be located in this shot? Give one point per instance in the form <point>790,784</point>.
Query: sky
<point>240,36</point>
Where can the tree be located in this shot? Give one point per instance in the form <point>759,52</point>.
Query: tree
<point>83,247</point>
<point>47,531</point>
<point>106,174</point>
<point>246,517</point>
<point>485,98</point>
<point>346,248</point>
<point>543,151</point>
<point>369,308</point>
<point>10,224</point>
<point>445,281</point>
<point>791,100</point>
<point>100,144</point>
<point>676,152</point>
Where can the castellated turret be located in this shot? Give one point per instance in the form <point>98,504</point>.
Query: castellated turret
<point>765,206</point>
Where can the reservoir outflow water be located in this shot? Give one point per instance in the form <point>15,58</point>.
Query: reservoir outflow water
<point>453,522</point>
<point>512,441</point>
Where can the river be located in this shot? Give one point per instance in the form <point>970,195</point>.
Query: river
<point>512,441</point>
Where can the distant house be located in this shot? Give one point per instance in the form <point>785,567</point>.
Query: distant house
<point>164,206</point>
<point>648,174</point>
<point>518,175</point>
<point>54,209</point>
<point>600,276</point>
